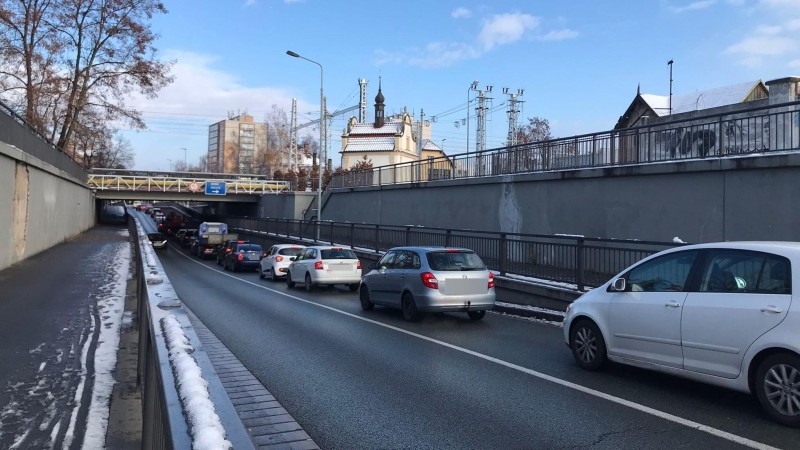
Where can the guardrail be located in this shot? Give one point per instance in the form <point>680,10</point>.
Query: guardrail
<point>574,260</point>
<point>165,423</point>
<point>764,129</point>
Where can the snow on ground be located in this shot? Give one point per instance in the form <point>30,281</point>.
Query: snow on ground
<point>206,429</point>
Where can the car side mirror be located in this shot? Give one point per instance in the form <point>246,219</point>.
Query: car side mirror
<point>382,269</point>
<point>619,285</point>
<point>292,258</point>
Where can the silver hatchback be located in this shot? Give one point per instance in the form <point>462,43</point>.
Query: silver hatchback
<point>434,279</point>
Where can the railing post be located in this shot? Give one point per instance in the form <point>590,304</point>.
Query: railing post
<point>352,235</point>
<point>408,231</point>
<point>579,267</point>
<point>447,239</point>
<point>331,234</point>
<point>377,233</point>
<point>501,254</point>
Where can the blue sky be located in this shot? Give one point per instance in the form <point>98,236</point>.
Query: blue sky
<point>579,62</point>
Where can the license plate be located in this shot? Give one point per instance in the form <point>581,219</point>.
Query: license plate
<point>340,267</point>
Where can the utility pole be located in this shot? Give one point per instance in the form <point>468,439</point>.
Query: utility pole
<point>294,157</point>
<point>472,87</point>
<point>513,115</point>
<point>669,63</point>
<point>480,137</point>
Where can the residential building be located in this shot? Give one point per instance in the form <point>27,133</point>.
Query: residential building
<point>237,145</point>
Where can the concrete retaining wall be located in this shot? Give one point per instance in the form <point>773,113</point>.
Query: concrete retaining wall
<point>746,198</point>
<point>40,206</point>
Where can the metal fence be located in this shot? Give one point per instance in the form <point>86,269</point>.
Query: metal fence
<point>756,130</point>
<point>575,260</point>
<point>14,130</point>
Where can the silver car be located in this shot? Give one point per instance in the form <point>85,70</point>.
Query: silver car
<point>718,313</point>
<point>419,279</point>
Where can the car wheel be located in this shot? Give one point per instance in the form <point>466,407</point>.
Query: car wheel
<point>234,267</point>
<point>476,315</point>
<point>289,281</point>
<point>274,276</point>
<point>219,262</point>
<point>363,296</point>
<point>309,284</point>
<point>353,287</point>
<point>778,388</point>
<point>410,312</point>
<point>588,346</point>
<point>261,273</point>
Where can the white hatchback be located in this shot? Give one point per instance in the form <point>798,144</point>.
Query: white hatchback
<point>276,262</point>
<point>719,313</point>
<point>325,265</point>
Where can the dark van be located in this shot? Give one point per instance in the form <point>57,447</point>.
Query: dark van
<point>114,215</point>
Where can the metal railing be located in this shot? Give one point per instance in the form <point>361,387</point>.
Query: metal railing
<point>575,260</point>
<point>763,129</point>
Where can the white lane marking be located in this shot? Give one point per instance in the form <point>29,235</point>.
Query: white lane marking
<point>620,401</point>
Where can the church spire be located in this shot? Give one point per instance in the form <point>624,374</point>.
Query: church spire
<point>379,106</point>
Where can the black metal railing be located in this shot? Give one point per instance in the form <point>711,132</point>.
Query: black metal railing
<point>762,129</point>
<point>574,260</point>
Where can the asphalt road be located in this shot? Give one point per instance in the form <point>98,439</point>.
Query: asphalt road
<point>357,379</point>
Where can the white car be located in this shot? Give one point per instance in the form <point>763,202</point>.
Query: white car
<point>276,263</point>
<point>325,265</point>
<point>718,313</point>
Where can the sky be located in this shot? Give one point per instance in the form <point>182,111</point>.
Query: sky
<point>578,63</point>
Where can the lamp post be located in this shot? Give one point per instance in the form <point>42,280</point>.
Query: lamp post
<point>170,165</point>
<point>185,164</point>
<point>472,87</point>
<point>443,144</point>
<point>321,128</point>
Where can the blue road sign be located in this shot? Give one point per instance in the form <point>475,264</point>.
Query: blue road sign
<point>215,188</point>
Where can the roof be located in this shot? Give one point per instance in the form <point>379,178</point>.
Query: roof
<point>428,144</point>
<point>693,101</point>
<point>389,128</point>
<point>372,144</point>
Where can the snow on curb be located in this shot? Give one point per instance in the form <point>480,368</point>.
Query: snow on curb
<point>204,424</point>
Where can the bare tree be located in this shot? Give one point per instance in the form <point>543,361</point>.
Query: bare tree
<point>537,133</point>
<point>67,62</point>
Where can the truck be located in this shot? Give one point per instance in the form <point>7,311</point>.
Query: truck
<point>210,237</point>
<point>172,223</point>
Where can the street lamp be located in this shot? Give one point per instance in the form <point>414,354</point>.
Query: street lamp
<point>185,164</point>
<point>170,165</point>
<point>443,144</point>
<point>321,128</point>
<point>472,87</point>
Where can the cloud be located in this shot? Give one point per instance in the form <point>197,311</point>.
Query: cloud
<point>461,13</point>
<point>694,6</point>
<point>770,41</point>
<point>794,64</point>
<point>506,28</point>
<point>559,35</point>
<point>249,3</point>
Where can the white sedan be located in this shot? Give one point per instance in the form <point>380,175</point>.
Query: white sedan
<point>718,313</point>
<point>276,262</point>
<point>325,265</point>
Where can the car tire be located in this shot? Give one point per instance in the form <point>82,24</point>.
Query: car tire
<point>234,268</point>
<point>476,315</point>
<point>261,273</point>
<point>363,297</point>
<point>353,287</point>
<point>219,262</point>
<point>289,281</point>
<point>309,283</point>
<point>587,345</point>
<point>274,277</point>
<point>776,388</point>
<point>409,307</point>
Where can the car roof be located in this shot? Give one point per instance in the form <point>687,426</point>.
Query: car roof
<point>427,249</point>
<point>289,246</point>
<point>329,247</point>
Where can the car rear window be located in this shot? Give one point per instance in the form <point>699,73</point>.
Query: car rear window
<point>339,253</point>
<point>249,248</point>
<point>290,251</point>
<point>191,232</point>
<point>156,237</point>
<point>455,261</point>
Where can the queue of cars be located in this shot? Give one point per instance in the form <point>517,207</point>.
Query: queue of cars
<point>717,313</point>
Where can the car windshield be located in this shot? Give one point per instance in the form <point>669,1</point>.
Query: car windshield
<point>249,248</point>
<point>455,261</point>
<point>191,232</point>
<point>338,253</point>
<point>156,237</point>
<point>290,251</point>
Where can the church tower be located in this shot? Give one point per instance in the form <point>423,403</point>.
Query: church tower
<point>379,107</point>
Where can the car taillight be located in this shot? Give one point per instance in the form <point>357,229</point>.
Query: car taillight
<point>318,265</point>
<point>240,257</point>
<point>264,255</point>
<point>429,281</point>
<point>279,258</point>
<point>491,280</point>
<point>227,250</point>
<point>358,265</point>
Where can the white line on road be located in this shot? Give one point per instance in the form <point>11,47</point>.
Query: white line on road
<point>620,401</point>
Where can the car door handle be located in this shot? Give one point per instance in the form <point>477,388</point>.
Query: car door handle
<point>673,304</point>
<point>772,309</point>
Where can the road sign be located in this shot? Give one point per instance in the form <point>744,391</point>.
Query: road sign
<point>194,186</point>
<point>215,188</point>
